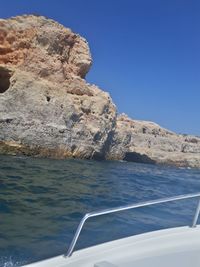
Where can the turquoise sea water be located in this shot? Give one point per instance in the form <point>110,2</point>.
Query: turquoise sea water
<point>42,202</point>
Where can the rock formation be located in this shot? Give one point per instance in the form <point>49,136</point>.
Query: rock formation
<point>147,142</point>
<point>46,106</point>
<point>48,109</point>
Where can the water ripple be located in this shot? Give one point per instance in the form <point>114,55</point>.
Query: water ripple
<point>42,201</point>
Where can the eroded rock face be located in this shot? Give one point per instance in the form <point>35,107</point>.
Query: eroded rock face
<point>147,142</point>
<point>44,47</point>
<point>46,107</point>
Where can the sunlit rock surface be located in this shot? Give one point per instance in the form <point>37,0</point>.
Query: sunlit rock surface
<point>48,109</point>
<point>144,141</point>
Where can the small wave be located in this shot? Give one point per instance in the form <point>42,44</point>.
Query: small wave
<point>8,264</point>
<point>5,262</point>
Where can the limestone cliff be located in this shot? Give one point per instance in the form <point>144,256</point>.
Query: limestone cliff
<point>48,109</point>
<point>143,141</point>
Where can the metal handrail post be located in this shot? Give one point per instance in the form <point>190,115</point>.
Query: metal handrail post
<point>128,207</point>
<point>196,216</point>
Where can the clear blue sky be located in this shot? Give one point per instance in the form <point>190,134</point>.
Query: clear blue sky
<point>146,53</point>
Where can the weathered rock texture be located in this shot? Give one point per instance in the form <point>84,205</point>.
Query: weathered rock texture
<point>47,108</point>
<point>143,141</point>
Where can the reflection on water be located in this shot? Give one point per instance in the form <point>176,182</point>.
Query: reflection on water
<point>42,201</point>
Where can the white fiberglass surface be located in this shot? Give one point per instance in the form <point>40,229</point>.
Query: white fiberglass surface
<point>176,259</point>
<point>177,247</point>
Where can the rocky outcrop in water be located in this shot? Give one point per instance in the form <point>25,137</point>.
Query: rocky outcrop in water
<point>46,106</point>
<point>48,109</point>
<point>147,142</point>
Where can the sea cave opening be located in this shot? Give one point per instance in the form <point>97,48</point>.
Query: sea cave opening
<point>139,158</point>
<point>5,76</point>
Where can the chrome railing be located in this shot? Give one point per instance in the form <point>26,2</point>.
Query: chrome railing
<point>128,207</point>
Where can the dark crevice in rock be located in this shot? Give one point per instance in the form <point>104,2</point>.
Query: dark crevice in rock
<point>73,148</point>
<point>48,98</point>
<point>71,45</point>
<point>5,76</point>
<point>86,110</point>
<point>102,155</point>
<point>139,158</point>
<point>6,120</point>
<point>98,156</point>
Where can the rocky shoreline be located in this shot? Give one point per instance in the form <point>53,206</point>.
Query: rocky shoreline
<point>47,109</point>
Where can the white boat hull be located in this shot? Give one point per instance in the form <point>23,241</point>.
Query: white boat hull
<point>176,247</point>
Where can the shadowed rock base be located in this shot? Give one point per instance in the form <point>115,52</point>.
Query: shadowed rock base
<point>14,149</point>
<point>139,158</point>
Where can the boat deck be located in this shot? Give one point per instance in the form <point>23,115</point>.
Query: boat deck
<point>170,247</point>
<point>173,247</point>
